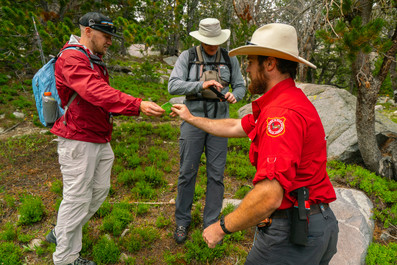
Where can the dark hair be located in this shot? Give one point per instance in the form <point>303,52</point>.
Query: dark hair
<point>284,66</point>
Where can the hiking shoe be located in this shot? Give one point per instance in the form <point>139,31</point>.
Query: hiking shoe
<point>180,234</point>
<point>81,261</point>
<point>50,237</point>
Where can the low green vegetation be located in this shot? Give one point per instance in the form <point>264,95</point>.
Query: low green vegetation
<point>145,171</point>
<point>382,191</point>
<point>31,210</point>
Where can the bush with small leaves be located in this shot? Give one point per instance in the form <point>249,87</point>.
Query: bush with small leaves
<point>106,251</point>
<point>117,220</point>
<point>382,254</point>
<point>9,232</point>
<point>105,209</point>
<point>10,254</point>
<point>31,210</point>
<point>242,191</point>
<point>197,249</point>
<point>162,221</point>
<point>57,187</point>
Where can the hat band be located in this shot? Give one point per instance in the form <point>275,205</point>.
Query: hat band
<point>101,27</point>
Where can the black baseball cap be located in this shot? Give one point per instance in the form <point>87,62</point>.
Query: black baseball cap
<point>99,22</point>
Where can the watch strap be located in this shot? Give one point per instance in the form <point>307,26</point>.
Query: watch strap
<point>222,223</point>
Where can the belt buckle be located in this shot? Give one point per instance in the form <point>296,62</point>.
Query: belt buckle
<point>265,223</point>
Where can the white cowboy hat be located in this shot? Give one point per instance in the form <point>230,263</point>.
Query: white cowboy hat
<point>210,32</point>
<point>276,40</point>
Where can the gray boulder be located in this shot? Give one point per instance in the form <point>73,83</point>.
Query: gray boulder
<point>171,60</point>
<point>356,226</point>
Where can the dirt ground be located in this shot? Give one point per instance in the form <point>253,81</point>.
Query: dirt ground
<point>35,172</point>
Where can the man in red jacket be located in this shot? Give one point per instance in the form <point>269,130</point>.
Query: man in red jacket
<point>290,200</point>
<point>84,132</point>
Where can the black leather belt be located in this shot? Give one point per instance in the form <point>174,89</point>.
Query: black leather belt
<point>314,208</point>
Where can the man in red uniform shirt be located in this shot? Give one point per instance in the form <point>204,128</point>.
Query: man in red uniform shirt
<point>288,150</point>
<point>84,132</point>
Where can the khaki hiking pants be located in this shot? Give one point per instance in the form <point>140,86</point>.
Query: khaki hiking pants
<point>86,169</point>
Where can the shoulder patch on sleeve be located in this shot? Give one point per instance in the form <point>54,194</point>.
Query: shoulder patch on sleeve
<point>275,126</point>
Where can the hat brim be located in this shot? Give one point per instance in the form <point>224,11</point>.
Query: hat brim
<point>218,40</point>
<point>107,32</point>
<point>264,51</point>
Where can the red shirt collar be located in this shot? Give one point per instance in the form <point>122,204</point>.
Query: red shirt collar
<point>264,100</point>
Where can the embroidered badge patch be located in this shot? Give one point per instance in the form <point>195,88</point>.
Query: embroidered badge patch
<point>275,126</point>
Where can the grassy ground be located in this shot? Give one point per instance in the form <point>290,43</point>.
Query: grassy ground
<point>136,221</point>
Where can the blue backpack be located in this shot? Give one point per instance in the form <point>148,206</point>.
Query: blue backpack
<point>44,81</point>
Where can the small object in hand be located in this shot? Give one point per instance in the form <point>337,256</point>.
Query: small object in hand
<point>217,93</point>
<point>167,107</point>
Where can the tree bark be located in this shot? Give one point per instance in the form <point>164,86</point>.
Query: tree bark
<point>393,77</point>
<point>368,89</point>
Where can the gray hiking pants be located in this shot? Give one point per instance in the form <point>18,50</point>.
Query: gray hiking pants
<point>193,142</point>
<point>86,169</point>
<point>272,245</point>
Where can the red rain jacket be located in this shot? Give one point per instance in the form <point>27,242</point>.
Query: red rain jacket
<point>88,117</point>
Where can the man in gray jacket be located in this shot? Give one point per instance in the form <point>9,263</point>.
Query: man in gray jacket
<point>205,82</point>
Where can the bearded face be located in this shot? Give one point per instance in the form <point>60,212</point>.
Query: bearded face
<point>100,42</point>
<point>259,81</point>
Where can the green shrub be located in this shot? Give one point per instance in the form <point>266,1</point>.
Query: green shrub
<point>117,220</point>
<point>126,177</point>
<point>141,209</point>
<point>154,176</point>
<point>57,187</point>
<point>228,209</point>
<point>10,254</point>
<point>105,209</point>
<point>197,249</point>
<point>242,191</point>
<point>199,193</point>
<point>196,215</point>
<point>385,207</point>
<point>143,190</point>
<point>239,166</point>
<point>162,221</point>
<point>9,232</point>
<point>381,254</point>
<point>24,238</point>
<point>106,251</point>
<point>31,210</point>
<point>170,259</point>
<point>140,237</point>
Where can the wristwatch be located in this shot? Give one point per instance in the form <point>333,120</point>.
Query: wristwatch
<point>222,223</point>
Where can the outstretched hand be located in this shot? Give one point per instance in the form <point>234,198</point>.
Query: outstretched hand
<point>180,110</point>
<point>151,109</point>
<point>213,234</point>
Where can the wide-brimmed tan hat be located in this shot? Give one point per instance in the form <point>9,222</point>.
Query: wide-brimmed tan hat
<point>276,40</point>
<point>210,32</point>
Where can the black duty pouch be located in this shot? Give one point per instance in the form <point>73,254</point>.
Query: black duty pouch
<point>299,218</point>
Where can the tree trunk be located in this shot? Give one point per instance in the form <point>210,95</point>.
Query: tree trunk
<point>366,100</point>
<point>368,89</point>
<point>393,77</point>
<point>365,113</point>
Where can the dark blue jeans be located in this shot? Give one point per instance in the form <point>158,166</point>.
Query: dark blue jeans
<point>272,245</point>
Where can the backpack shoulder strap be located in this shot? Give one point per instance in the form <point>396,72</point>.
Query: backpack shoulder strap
<point>200,58</point>
<point>79,49</point>
<point>226,56</point>
<point>192,58</point>
<point>218,56</point>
